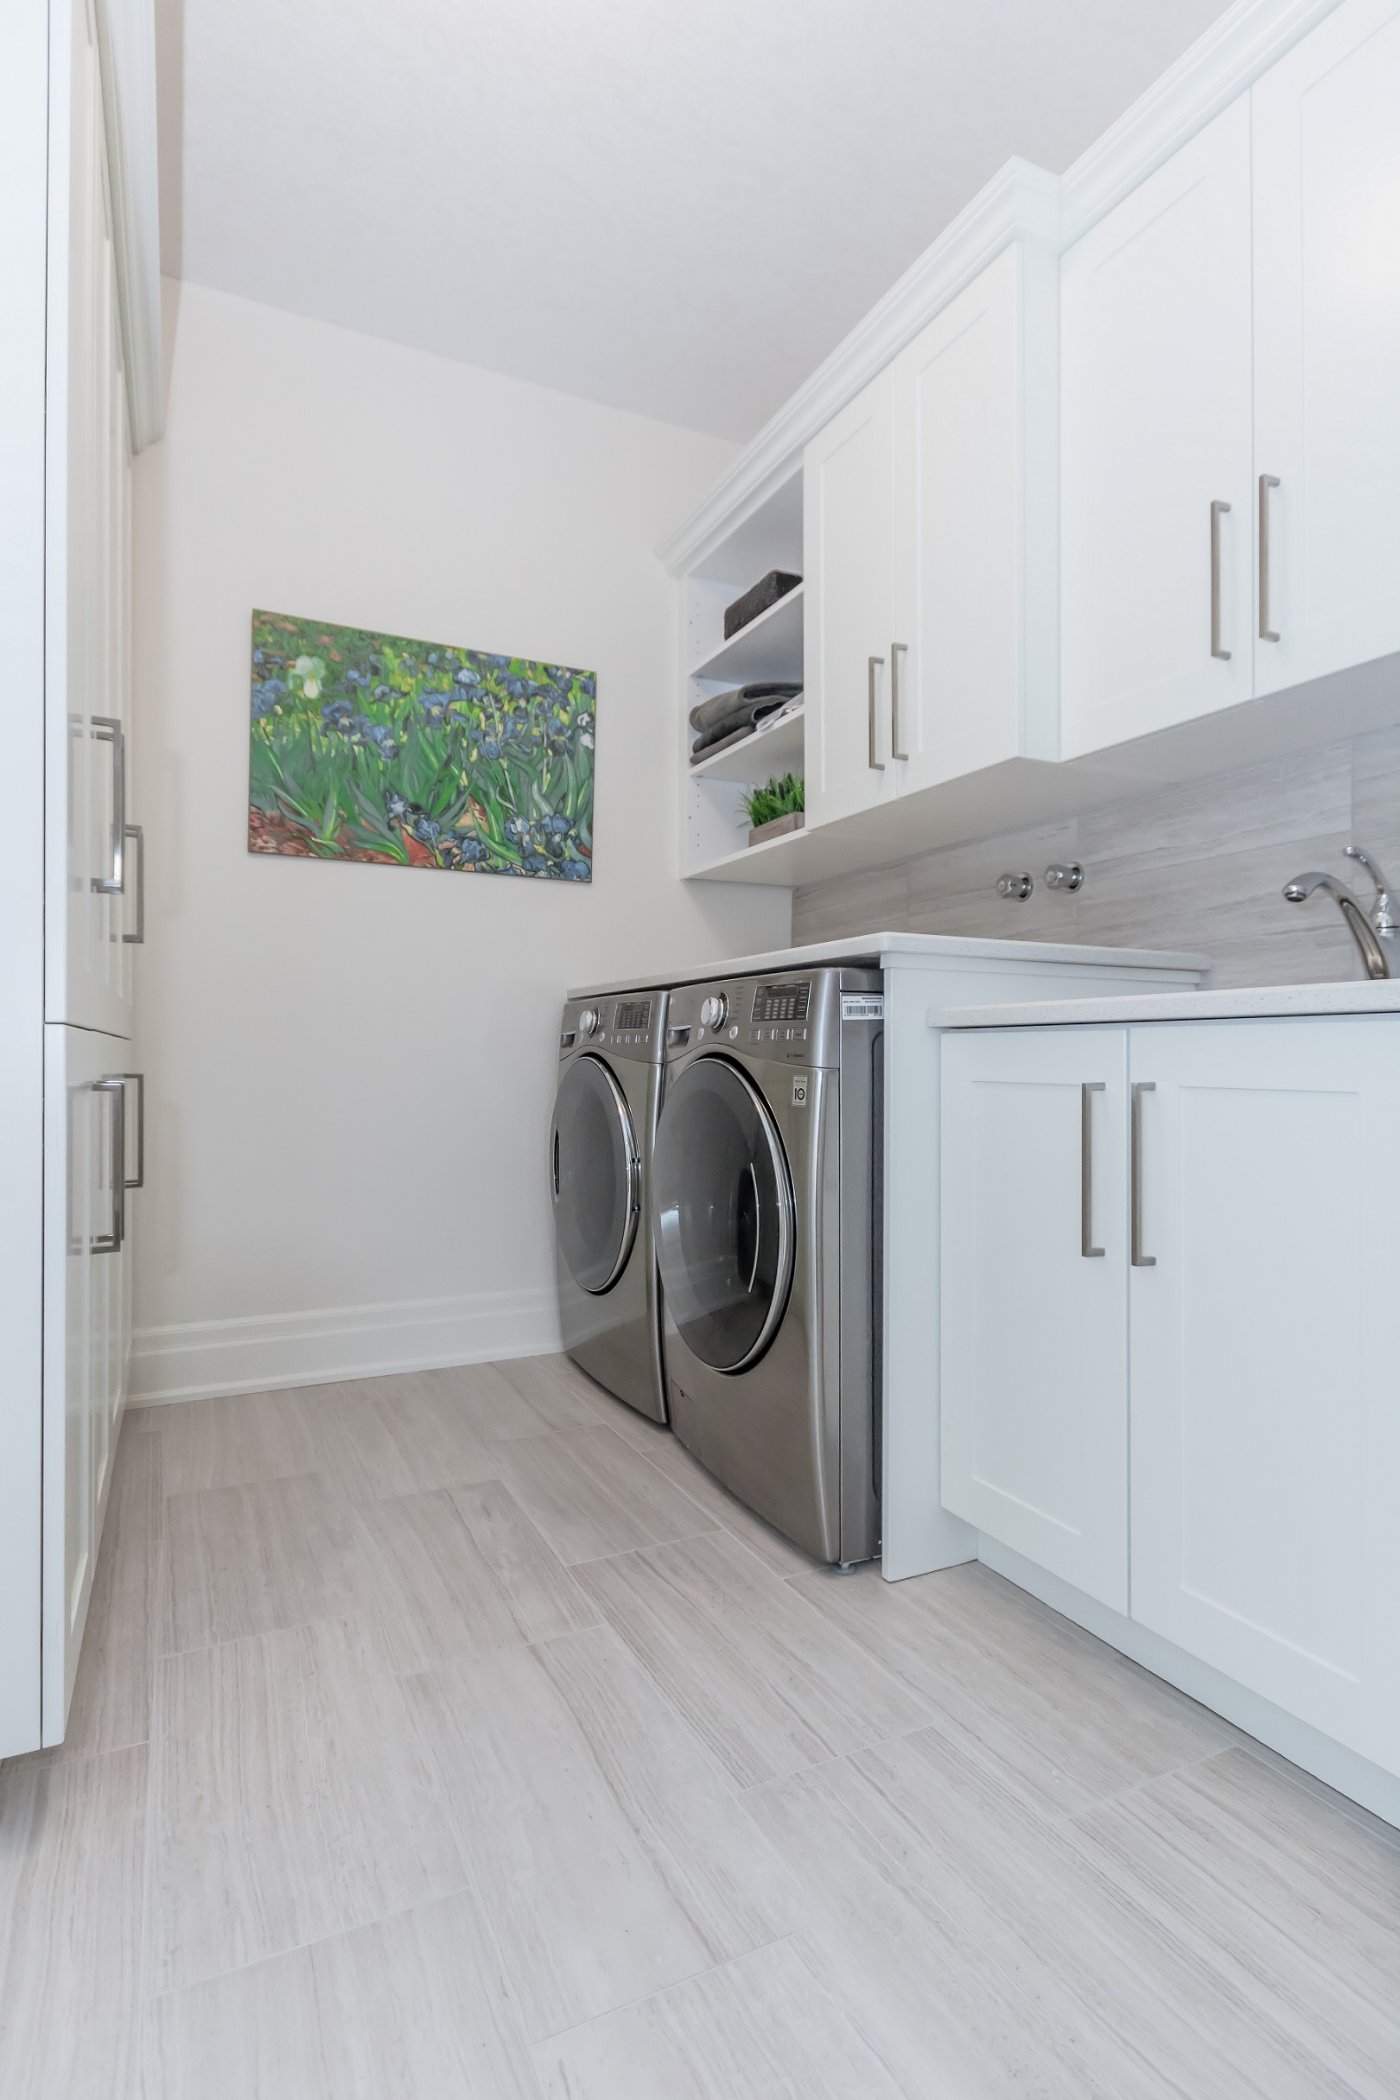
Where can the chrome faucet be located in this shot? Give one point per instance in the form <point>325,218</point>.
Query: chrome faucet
<point>1368,932</point>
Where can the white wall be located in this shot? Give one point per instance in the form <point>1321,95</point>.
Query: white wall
<point>351,1067</point>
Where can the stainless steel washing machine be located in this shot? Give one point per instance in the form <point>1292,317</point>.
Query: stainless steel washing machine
<point>600,1150</point>
<point>767,1204</point>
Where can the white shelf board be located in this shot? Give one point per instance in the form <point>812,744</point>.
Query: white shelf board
<point>769,647</point>
<point>774,747</point>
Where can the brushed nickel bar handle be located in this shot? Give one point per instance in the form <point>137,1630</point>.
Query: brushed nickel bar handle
<point>897,649</point>
<point>1217,512</point>
<point>1267,631</point>
<point>108,730</point>
<point>137,834</point>
<point>1086,1168</point>
<point>1139,1259</point>
<point>112,1242</point>
<point>138,1080</point>
<point>877,765</point>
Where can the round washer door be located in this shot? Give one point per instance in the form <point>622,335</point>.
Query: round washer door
<point>595,1174</point>
<point>724,1214</point>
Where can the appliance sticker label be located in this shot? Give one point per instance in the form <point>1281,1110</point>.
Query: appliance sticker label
<point>799,1089</point>
<point>862,1006</point>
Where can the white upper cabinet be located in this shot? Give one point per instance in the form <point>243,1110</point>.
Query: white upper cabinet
<point>1265,1424</point>
<point>1327,346</point>
<point>93,868</point>
<point>1156,463</point>
<point>929,526</point>
<point>1034,1297</point>
<point>848,540</point>
<point>974,651</point>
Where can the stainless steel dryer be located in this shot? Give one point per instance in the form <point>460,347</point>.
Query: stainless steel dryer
<point>600,1146</point>
<point>767,1204</point>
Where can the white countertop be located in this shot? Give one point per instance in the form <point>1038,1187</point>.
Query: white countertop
<point>1243,1003</point>
<point>887,950</point>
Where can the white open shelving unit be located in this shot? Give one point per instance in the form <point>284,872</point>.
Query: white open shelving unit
<point>714,828</point>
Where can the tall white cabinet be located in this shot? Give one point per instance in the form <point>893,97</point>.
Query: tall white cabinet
<point>76,358</point>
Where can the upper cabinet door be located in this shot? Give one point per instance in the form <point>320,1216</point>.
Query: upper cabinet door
<point>1155,444</point>
<point>848,533</point>
<point>1034,1304</point>
<point>1265,1427</point>
<point>92,870</point>
<point>1327,347</point>
<point>974,427</point>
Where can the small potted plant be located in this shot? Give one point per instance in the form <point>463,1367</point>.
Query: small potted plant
<point>775,808</point>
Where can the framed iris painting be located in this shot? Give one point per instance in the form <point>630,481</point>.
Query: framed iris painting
<point>371,747</point>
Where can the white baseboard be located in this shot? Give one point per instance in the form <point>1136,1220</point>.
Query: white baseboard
<point>1344,1770</point>
<point>209,1357</point>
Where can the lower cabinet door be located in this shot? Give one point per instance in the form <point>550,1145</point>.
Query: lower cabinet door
<point>87,1161</point>
<point>1265,1389</point>
<point>1034,1297</point>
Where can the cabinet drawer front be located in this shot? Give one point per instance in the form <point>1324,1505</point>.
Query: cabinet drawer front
<point>1265,1424</point>
<point>1327,346</point>
<point>1156,421</point>
<point>1034,1348</point>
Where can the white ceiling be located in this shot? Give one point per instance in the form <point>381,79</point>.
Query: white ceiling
<point>675,206</point>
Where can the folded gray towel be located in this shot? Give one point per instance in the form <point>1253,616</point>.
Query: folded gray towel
<point>734,727</point>
<point>724,707</point>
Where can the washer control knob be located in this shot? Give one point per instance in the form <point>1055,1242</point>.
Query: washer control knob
<point>714,1010</point>
<point>589,1021</point>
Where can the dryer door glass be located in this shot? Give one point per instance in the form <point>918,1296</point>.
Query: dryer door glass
<point>724,1215</point>
<point>595,1174</point>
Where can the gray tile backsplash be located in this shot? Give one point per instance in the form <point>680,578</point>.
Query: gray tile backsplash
<point>1199,864</point>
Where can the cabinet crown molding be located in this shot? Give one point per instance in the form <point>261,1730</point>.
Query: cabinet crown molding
<point>1021,202</point>
<point>1222,63</point>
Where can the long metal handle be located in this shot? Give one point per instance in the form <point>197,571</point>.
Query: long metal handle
<point>137,834</point>
<point>1086,1168</point>
<point>1217,512</point>
<point>112,1242</point>
<point>554,1162</point>
<point>138,1080</point>
<point>1267,632</point>
<point>877,765</point>
<point>1139,1259</point>
<point>897,649</point>
<point>108,730</point>
<point>757,1225</point>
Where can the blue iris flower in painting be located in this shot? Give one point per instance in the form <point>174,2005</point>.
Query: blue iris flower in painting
<point>574,871</point>
<point>337,714</point>
<point>266,694</point>
<point>395,807</point>
<point>466,676</point>
<point>434,705</point>
<point>473,851</point>
<point>425,829</point>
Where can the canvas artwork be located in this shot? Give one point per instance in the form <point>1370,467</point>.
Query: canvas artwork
<point>371,747</point>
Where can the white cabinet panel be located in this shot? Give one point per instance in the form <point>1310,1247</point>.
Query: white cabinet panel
<point>1265,1424</point>
<point>1034,1379</point>
<point>1327,343</point>
<point>90,877</point>
<point>88,1157</point>
<point>848,529</point>
<point>1156,423</point>
<point>974,559</point>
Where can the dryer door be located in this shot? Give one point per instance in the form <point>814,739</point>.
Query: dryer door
<point>724,1214</point>
<point>595,1174</point>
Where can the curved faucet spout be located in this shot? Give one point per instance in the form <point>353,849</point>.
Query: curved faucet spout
<point>1373,954</point>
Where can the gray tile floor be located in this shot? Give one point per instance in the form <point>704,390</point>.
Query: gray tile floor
<point>454,1735</point>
